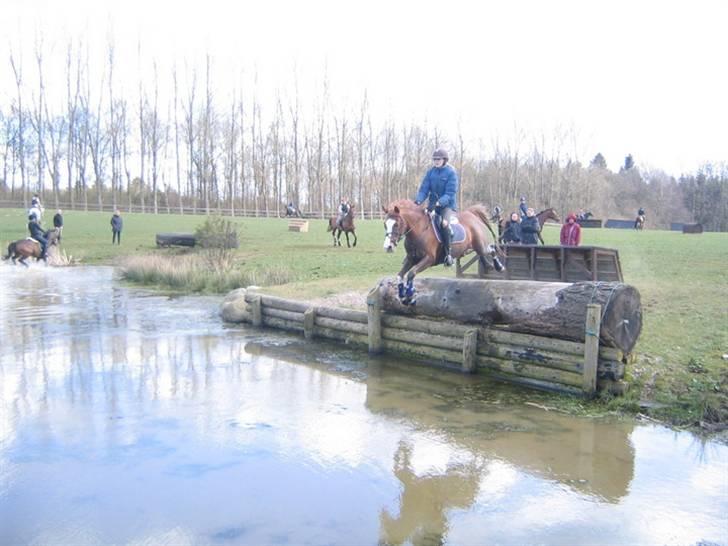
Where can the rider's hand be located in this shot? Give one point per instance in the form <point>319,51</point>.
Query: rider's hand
<point>418,203</point>
<point>437,204</point>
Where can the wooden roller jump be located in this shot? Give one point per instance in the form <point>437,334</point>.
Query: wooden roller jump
<point>484,341</point>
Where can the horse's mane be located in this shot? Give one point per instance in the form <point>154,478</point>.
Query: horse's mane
<point>402,204</point>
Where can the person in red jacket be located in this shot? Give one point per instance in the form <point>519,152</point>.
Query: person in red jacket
<point>571,231</point>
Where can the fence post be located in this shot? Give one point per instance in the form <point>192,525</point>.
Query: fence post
<point>309,317</point>
<point>591,348</point>
<point>470,348</point>
<point>256,310</point>
<point>374,320</point>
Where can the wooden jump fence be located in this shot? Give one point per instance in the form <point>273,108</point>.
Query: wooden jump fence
<point>534,361</point>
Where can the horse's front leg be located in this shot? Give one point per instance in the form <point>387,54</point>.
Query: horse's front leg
<point>347,239</point>
<point>354,234</point>
<point>409,292</point>
<point>540,238</point>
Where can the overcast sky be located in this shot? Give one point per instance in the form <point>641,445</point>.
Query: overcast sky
<point>646,78</point>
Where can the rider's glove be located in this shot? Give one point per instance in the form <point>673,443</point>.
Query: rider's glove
<point>437,204</point>
<point>417,203</point>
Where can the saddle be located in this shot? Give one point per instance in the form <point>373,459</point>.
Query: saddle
<point>457,232</point>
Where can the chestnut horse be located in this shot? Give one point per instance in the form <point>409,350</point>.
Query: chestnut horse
<point>546,214</point>
<point>30,248</point>
<point>639,222</point>
<point>347,226</point>
<point>405,219</point>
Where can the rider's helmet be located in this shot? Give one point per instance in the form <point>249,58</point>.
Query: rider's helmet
<point>523,198</point>
<point>440,153</point>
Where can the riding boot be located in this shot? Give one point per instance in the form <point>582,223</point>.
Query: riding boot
<point>448,261</point>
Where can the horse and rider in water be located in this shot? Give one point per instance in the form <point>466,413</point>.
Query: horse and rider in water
<point>434,234</point>
<point>35,246</point>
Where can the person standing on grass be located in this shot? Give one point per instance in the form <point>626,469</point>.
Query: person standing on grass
<point>570,231</point>
<point>116,225</point>
<point>58,223</point>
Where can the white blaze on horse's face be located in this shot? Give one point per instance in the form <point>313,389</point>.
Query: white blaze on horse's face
<point>389,242</point>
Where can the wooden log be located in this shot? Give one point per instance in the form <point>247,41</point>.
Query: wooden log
<point>343,325</point>
<point>342,314</point>
<point>427,340</point>
<point>470,351</point>
<point>374,321</point>
<point>569,363</point>
<point>280,313</point>
<point>551,309</point>
<point>309,317</point>
<point>535,383</point>
<point>504,337</point>
<point>338,335</point>
<point>424,325</point>
<point>279,303</point>
<point>175,239</point>
<point>256,311</point>
<point>282,324</point>
<point>591,349</point>
<point>430,353</point>
<point>530,370</point>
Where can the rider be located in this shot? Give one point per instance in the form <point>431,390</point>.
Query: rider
<point>440,187</point>
<point>523,207</point>
<point>640,216</point>
<point>290,209</point>
<point>37,233</point>
<point>344,208</point>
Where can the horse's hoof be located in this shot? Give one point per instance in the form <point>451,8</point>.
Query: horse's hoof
<point>499,267</point>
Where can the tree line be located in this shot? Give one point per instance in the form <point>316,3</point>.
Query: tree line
<point>178,143</point>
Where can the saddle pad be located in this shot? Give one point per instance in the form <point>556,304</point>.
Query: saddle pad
<point>458,231</point>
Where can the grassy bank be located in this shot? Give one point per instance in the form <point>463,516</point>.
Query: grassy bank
<point>683,281</point>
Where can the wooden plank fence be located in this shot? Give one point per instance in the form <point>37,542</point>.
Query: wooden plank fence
<point>534,361</point>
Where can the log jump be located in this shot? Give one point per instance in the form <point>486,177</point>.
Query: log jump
<point>495,339</point>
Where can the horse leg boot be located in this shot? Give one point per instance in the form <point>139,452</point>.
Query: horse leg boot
<point>496,262</point>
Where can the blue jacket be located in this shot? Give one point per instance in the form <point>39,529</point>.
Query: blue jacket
<point>523,208</point>
<point>512,233</point>
<point>439,184</point>
<point>529,230</point>
<point>116,223</point>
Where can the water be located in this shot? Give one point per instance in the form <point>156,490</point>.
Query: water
<point>133,418</point>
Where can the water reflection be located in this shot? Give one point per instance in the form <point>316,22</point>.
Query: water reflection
<point>128,417</point>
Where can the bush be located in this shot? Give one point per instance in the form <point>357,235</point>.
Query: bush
<point>217,237</point>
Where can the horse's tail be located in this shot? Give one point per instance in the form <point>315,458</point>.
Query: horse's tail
<point>481,212</point>
<point>11,251</point>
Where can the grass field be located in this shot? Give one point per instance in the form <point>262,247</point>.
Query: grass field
<point>683,280</point>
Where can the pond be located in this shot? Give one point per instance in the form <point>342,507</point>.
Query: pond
<point>132,417</point>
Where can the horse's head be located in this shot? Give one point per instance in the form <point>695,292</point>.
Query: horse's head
<point>394,227</point>
<point>52,236</point>
<point>550,214</point>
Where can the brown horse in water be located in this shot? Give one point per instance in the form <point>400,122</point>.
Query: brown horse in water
<point>405,219</point>
<point>546,214</point>
<point>347,226</point>
<point>30,248</point>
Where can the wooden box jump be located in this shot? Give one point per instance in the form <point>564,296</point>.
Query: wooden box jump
<point>298,224</point>
<point>551,263</point>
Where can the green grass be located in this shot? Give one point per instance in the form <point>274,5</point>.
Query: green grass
<point>683,280</point>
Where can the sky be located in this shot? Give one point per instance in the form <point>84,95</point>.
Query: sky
<point>645,78</point>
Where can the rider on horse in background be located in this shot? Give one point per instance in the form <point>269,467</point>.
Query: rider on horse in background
<point>523,207</point>
<point>37,233</point>
<point>440,187</point>
<point>344,208</point>
<point>640,217</point>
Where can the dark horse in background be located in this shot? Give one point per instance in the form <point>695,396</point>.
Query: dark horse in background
<point>405,219</point>
<point>543,216</point>
<point>23,249</point>
<point>347,226</point>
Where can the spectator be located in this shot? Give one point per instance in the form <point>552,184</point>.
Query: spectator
<point>570,231</point>
<point>116,225</point>
<point>512,231</point>
<point>58,223</point>
<point>530,228</point>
